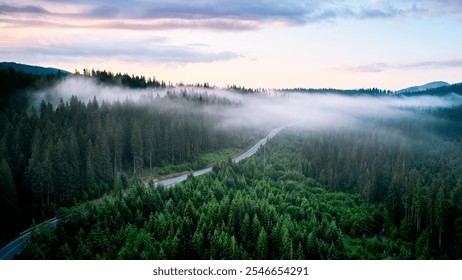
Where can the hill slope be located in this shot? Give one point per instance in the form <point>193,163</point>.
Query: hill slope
<point>35,70</point>
<point>425,87</point>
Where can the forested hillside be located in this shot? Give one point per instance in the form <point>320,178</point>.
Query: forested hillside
<point>412,168</point>
<point>350,193</point>
<point>54,156</point>
<point>359,177</point>
<point>260,209</point>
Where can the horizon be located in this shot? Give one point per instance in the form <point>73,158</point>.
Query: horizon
<point>198,85</point>
<point>388,45</point>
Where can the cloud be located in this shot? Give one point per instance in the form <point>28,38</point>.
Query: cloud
<point>316,111</point>
<point>157,50</point>
<point>237,15</point>
<point>8,9</point>
<point>372,13</point>
<point>104,11</point>
<point>375,67</point>
<point>168,24</point>
<point>148,15</point>
<point>221,15</point>
<point>380,67</point>
<point>445,7</point>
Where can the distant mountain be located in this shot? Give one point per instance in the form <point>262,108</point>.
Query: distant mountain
<point>35,70</point>
<point>425,87</point>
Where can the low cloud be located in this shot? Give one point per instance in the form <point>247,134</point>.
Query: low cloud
<point>269,109</point>
<point>380,67</point>
<point>86,89</point>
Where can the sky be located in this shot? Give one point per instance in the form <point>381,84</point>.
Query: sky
<point>258,44</point>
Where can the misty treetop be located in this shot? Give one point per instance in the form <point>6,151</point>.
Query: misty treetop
<point>387,190</point>
<point>61,155</point>
<point>119,79</point>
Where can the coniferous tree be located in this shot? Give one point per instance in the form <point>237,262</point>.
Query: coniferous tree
<point>136,146</point>
<point>90,173</point>
<point>102,158</point>
<point>262,245</point>
<point>9,210</point>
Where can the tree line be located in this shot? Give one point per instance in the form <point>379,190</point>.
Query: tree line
<point>119,79</point>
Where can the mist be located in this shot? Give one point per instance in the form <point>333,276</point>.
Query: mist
<point>86,89</point>
<point>259,110</point>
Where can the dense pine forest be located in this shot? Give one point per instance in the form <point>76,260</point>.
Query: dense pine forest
<point>374,188</point>
<point>268,207</point>
<point>60,155</point>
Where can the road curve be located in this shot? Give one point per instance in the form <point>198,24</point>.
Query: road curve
<point>172,181</point>
<point>14,247</point>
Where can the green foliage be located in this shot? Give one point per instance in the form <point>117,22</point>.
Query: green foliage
<point>265,208</point>
<point>8,201</point>
<point>414,180</point>
<point>204,159</point>
<point>370,193</point>
<point>224,215</point>
<point>136,146</point>
<point>63,155</point>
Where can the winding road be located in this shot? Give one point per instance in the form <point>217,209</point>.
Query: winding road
<point>172,181</point>
<point>16,246</point>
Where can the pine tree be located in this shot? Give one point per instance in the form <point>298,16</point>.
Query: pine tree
<point>299,254</point>
<point>9,208</point>
<point>148,143</point>
<point>440,211</point>
<point>136,146</point>
<point>90,176</point>
<point>117,147</point>
<point>262,245</point>
<point>102,158</point>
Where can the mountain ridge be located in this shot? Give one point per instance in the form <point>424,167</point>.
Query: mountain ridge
<point>33,69</point>
<point>427,86</point>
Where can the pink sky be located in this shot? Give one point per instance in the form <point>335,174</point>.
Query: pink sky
<point>268,44</point>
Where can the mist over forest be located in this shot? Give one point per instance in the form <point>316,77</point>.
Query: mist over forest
<point>271,107</point>
<point>353,175</point>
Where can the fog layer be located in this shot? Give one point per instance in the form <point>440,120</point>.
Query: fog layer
<point>268,109</point>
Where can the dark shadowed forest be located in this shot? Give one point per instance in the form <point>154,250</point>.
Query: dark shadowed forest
<point>64,154</point>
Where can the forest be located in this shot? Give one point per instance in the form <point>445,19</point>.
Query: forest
<point>376,187</point>
<point>269,207</point>
<point>60,155</point>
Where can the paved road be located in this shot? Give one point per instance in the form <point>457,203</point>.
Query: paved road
<point>14,247</point>
<point>255,148</point>
<point>172,181</point>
